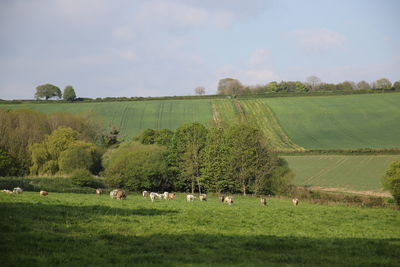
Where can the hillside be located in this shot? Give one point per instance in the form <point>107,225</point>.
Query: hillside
<point>290,123</point>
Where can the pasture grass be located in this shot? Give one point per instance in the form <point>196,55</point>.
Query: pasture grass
<point>85,229</point>
<point>351,172</point>
<point>340,122</point>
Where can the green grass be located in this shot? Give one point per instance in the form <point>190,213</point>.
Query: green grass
<point>133,117</point>
<point>257,112</point>
<point>340,122</point>
<point>350,172</point>
<point>86,230</point>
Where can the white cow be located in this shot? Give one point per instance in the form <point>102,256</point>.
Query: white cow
<point>17,190</point>
<point>153,196</point>
<point>229,200</point>
<point>145,194</point>
<point>190,198</point>
<point>203,197</point>
<point>295,201</point>
<point>113,193</point>
<point>165,195</point>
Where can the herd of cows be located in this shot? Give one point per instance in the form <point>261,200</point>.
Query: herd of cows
<point>121,194</point>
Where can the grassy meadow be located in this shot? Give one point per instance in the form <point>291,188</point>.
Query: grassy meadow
<point>354,172</point>
<point>340,122</point>
<point>86,229</point>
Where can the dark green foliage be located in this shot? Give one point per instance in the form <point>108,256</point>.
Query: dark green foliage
<point>47,91</point>
<point>185,157</point>
<point>280,181</point>
<point>160,137</point>
<point>80,155</point>
<point>69,93</point>
<point>391,180</point>
<point>83,178</point>
<point>137,167</point>
<point>8,165</point>
<point>396,85</point>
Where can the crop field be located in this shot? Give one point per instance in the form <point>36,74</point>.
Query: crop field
<point>133,117</point>
<point>87,230</point>
<point>363,173</point>
<point>340,122</point>
<point>257,112</point>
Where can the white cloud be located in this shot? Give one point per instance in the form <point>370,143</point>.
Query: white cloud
<point>318,39</point>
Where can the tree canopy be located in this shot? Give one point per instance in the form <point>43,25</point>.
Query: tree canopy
<point>47,91</point>
<point>69,93</point>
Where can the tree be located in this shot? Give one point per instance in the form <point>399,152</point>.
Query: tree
<point>391,180</point>
<point>383,84</point>
<point>396,85</point>
<point>314,82</point>
<point>184,155</point>
<point>363,85</point>
<point>47,91</point>
<point>251,161</point>
<point>69,93</point>
<point>138,167</point>
<point>345,86</point>
<point>229,86</point>
<point>200,90</point>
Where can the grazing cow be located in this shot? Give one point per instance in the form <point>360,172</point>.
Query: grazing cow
<point>99,191</point>
<point>113,193</point>
<point>171,196</point>
<point>295,201</point>
<point>263,201</point>
<point>222,198</point>
<point>165,195</point>
<point>153,196</point>
<point>229,200</point>
<point>6,191</point>
<point>190,198</point>
<point>203,197</point>
<point>17,190</point>
<point>43,193</point>
<point>121,194</point>
<point>160,196</point>
<point>145,194</point>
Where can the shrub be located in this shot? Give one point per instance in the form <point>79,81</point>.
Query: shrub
<point>83,177</point>
<point>391,180</point>
<point>80,155</point>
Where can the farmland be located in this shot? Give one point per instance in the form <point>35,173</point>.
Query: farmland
<point>361,173</point>
<point>85,229</point>
<point>133,117</point>
<point>340,122</point>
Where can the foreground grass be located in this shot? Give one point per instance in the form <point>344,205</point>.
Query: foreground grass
<point>82,229</point>
<point>340,171</point>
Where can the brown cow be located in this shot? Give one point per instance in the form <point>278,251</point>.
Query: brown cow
<point>121,194</point>
<point>171,196</point>
<point>221,198</point>
<point>43,193</point>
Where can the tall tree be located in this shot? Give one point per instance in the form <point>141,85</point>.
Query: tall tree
<point>383,83</point>
<point>47,91</point>
<point>185,156</point>
<point>69,93</point>
<point>363,85</point>
<point>229,86</point>
<point>200,90</point>
<point>314,82</point>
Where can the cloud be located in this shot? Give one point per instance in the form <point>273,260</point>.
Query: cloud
<point>318,40</point>
<point>256,69</point>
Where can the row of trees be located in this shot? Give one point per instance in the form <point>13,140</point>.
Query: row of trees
<point>48,91</point>
<point>194,158</point>
<point>229,86</point>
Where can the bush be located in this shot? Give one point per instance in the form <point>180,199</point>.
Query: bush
<point>83,177</point>
<point>80,155</point>
<point>391,180</point>
<point>136,167</point>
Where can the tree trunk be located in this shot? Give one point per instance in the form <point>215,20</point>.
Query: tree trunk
<point>244,190</point>
<point>192,186</point>
<point>198,184</point>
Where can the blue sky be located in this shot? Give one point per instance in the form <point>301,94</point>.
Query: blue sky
<point>169,47</point>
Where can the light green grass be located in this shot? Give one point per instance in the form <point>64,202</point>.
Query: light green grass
<point>224,111</point>
<point>258,113</point>
<point>133,117</point>
<point>350,172</point>
<point>340,122</point>
<point>88,230</point>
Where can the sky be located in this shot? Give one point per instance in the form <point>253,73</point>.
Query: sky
<point>106,48</point>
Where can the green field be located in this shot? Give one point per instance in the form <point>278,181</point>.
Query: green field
<point>133,117</point>
<point>87,230</point>
<point>340,122</point>
<point>350,172</point>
